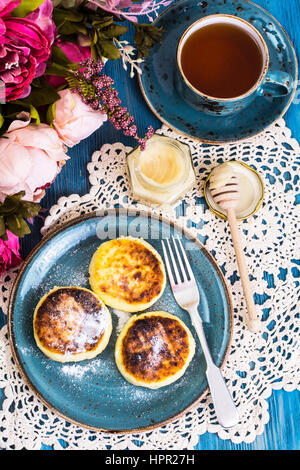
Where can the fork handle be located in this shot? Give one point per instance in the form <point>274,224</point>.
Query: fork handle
<point>225,408</point>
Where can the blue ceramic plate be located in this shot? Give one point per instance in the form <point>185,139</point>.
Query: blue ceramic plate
<point>93,393</point>
<point>157,79</point>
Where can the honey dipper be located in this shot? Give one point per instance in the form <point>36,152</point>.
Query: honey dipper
<point>225,190</point>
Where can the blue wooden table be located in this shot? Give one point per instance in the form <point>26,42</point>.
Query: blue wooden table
<point>282,432</point>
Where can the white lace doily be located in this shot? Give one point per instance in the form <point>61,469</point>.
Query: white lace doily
<point>258,363</point>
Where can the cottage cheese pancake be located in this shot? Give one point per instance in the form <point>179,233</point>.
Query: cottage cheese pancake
<point>71,324</point>
<point>128,274</point>
<point>154,349</point>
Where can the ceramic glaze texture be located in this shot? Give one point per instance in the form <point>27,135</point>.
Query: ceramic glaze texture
<point>159,71</point>
<point>93,393</point>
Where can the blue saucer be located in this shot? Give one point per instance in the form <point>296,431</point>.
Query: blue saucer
<point>93,393</point>
<point>157,79</point>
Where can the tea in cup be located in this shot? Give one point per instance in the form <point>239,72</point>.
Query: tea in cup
<point>223,63</point>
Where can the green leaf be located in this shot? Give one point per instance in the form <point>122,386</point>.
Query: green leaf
<point>102,23</point>
<point>68,28</point>
<point>2,226</point>
<point>57,69</point>
<point>146,35</point>
<point>87,88</point>
<point>1,120</point>
<point>61,15</point>
<point>94,38</point>
<point>16,197</point>
<point>109,50</point>
<point>50,113</point>
<point>28,209</point>
<point>9,206</point>
<point>42,94</point>
<point>12,213</point>
<point>59,57</point>
<point>115,30</point>
<point>17,225</point>
<point>26,7</point>
<point>94,53</point>
<point>34,114</point>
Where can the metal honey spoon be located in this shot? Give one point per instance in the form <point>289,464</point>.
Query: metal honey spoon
<point>225,190</point>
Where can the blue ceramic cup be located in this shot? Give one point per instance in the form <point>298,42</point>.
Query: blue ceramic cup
<point>272,84</point>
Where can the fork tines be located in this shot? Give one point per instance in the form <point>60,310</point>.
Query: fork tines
<point>178,266</point>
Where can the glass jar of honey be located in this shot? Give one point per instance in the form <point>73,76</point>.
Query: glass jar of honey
<point>161,173</point>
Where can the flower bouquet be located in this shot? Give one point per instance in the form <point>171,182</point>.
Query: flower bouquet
<point>53,92</point>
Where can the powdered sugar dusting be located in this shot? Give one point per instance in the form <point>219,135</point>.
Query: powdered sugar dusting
<point>78,371</point>
<point>123,317</point>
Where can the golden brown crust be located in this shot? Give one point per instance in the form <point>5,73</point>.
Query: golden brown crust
<point>127,272</point>
<point>154,348</point>
<point>70,320</point>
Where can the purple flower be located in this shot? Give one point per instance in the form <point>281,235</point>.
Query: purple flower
<point>106,99</point>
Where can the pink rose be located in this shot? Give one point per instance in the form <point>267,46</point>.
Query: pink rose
<point>24,48</point>
<point>30,158</point>
<point>74,120</point>
<point>9,252</point>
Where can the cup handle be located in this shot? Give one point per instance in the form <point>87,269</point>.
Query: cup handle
<point>275,85</point>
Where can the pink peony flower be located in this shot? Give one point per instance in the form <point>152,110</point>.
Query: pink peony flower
<point>9,252</point>
<point>24,46</point>
<point>75,53</point>
<point>42,17</point>
<point>6,6</point>
<point>74,120</point>
<point>30,158</point>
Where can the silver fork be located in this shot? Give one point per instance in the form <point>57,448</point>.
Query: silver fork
<point>186,293</point>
